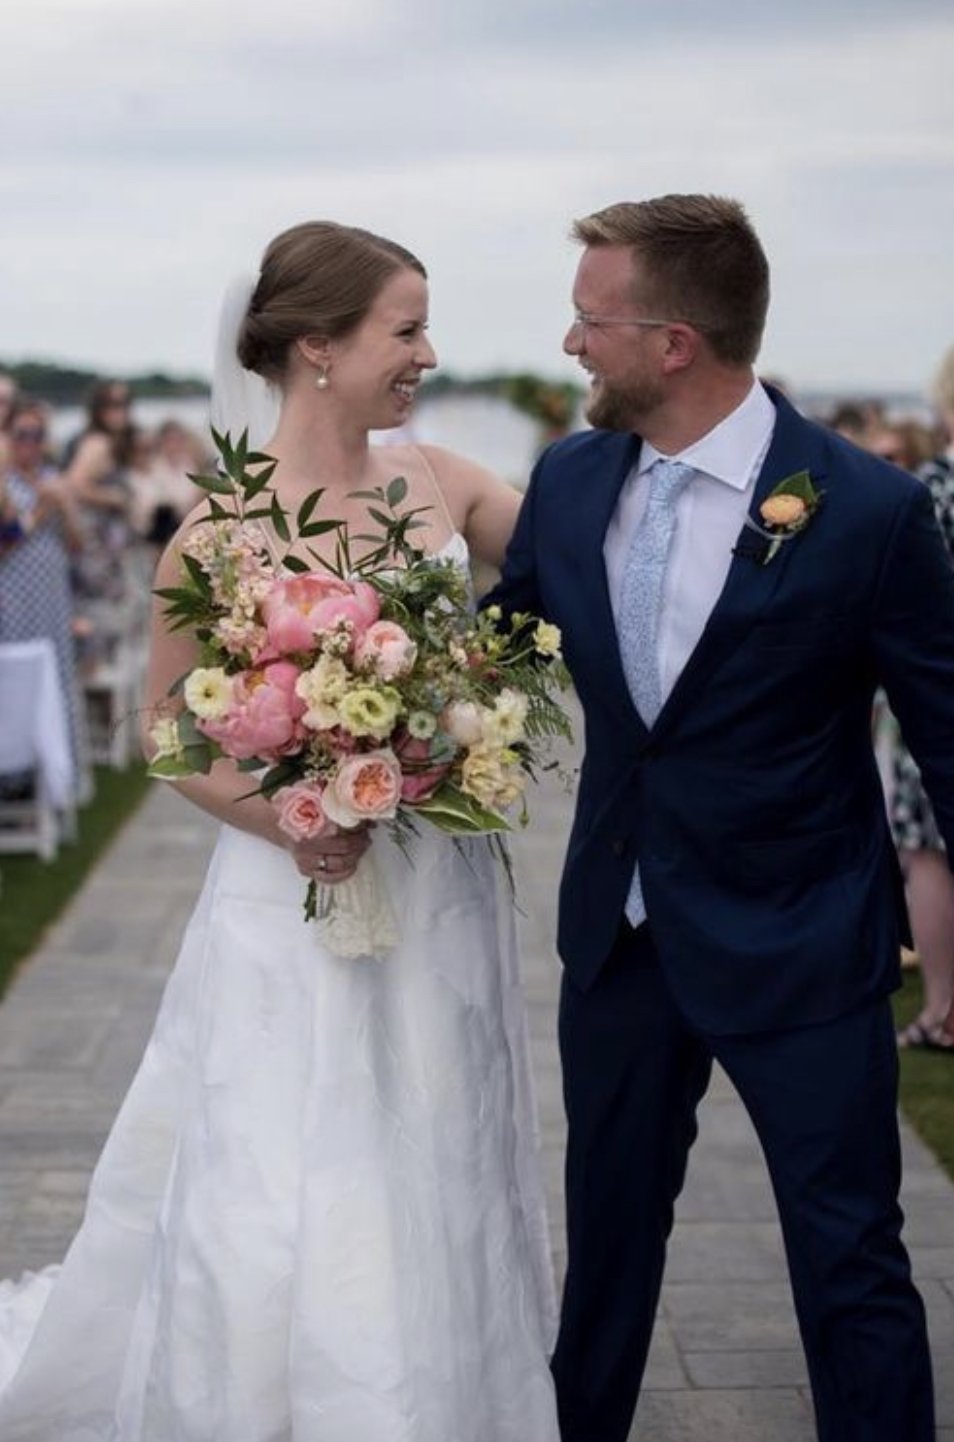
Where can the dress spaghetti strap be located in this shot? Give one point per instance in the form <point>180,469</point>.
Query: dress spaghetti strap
<point>435,486</point>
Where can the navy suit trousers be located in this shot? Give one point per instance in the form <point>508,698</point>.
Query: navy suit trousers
<point>823,1101</point>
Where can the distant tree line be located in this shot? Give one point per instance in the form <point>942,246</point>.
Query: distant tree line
<point>63,385</point>
<point>552,403</point>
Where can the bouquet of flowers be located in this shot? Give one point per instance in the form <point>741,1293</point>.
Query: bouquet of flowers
<point>354,690</point>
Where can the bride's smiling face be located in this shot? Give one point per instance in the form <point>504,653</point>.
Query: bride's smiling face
<point>377,369</point>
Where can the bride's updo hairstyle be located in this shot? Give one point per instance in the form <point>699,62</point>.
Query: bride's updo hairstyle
<point>317,279</point>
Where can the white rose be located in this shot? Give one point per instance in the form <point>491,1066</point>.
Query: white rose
<point>463,721</point>
<point>504,725</point>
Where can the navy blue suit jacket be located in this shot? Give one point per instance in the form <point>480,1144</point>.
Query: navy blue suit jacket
<point>753,804</point>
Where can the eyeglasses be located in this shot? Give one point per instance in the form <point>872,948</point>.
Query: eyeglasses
<point>112,403</point>
<point>28,433</point>
<point>583,322</point>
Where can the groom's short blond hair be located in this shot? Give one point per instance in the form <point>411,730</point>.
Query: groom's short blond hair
<point>701,262</point>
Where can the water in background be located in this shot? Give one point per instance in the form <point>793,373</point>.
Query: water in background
<point>485,428</point>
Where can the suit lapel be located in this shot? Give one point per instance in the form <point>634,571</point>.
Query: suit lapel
<point>749,585</point>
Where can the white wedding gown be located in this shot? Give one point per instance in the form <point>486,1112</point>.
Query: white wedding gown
<point>318,1216</point>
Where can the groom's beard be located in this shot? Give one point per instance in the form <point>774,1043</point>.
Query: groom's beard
<point>623,408</point>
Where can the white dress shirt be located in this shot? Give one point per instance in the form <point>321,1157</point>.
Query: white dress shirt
<point>710,512</point>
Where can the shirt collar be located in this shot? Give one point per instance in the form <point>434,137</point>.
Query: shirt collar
<point>732,449</point>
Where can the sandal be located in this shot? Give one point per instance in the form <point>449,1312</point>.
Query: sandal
<point>918,1037</point>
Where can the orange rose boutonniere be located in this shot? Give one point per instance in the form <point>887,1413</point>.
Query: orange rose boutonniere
<point>784,513</point>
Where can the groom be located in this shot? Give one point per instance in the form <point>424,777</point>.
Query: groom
<point>730,888</point>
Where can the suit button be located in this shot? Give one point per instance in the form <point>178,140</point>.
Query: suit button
<point>618,848</point>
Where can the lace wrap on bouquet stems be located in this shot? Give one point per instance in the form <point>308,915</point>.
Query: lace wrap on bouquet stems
<point>355,917</point>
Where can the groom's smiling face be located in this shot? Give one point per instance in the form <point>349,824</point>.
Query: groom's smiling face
<point>617,344</point>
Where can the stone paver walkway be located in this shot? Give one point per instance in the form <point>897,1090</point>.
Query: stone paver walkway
<point>726,1365</point>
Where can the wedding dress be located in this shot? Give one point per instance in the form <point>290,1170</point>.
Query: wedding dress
<point>318,1216</point>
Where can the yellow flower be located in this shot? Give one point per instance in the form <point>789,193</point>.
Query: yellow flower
<point>370,711</point>
<point>783,510</point>
<point>491,777</point>
<point>208,692</point>
<point>547,639</point>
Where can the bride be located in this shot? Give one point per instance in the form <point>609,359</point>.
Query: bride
<point>318,1216</point>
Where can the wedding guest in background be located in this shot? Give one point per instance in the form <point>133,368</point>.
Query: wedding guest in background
<point>43,527</point>
<point>8,394</point>
<point>906,442</point>
<point>850,421</point>
<point>96,467</point>
<point>178,454</point>
<point>928,879</point>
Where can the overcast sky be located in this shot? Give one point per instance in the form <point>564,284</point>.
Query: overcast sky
<point>151,148</point>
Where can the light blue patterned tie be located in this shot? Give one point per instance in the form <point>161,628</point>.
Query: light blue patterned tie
<point>640,599</point>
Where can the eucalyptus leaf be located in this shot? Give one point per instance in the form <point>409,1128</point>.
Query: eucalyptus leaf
<point>397,490</point>
<point>277,517</point>
<point>169,768</point>
<point>307,508</point>
<point>318,528</point>
<point>199,758</point>
<point>218,485</point>
<point>256,484</point>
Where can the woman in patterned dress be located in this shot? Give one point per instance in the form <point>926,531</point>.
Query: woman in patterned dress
<point>40,526</point>
<point>928,877</point>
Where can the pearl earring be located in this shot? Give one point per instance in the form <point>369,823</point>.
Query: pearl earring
<point>321,379</point>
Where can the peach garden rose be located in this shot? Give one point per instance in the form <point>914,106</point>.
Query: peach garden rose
<point>387,649</point>
<point>365,787</point>
<point>301,813</point>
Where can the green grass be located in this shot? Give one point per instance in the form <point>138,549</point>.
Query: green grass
<point>34,892</point>
<point>927,1082</point>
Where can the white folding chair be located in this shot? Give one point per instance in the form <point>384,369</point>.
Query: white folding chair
<point>35,740</point>
<point>113,689</point>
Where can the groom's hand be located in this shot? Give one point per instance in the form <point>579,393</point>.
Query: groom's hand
<point>333,858</point>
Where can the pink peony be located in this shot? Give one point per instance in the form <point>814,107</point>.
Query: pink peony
<point>263,719</point>
<point>364,788</point>
<point>419,781</point>
<point>301,814</point>
<point>388,648</point>
<point>298,608</point>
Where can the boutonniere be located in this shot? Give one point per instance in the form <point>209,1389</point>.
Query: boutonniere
<point>785,512</point>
